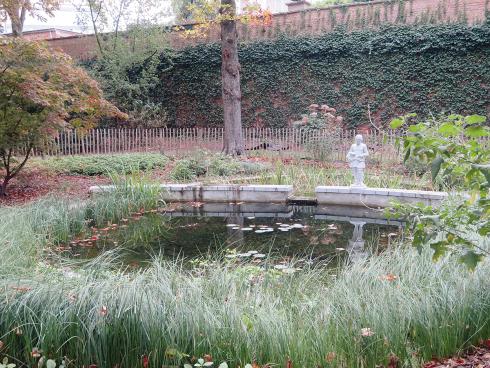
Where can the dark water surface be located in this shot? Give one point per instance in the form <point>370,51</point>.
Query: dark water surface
<point>245,231</point>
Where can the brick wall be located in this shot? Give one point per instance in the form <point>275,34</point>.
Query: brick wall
<point>78,47</point>
<point>316,21</point>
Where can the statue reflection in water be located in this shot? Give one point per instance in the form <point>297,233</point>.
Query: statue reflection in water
<point>355,247</point>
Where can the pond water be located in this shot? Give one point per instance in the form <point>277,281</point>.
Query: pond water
<point>244,231</point>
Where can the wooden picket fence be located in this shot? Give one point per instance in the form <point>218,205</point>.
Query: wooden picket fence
<point>285,141</point>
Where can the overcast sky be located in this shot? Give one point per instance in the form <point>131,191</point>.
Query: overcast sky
<point>64,18</point>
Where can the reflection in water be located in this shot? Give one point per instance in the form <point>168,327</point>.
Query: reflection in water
<point>234,224</point>
<point>334,233</point>
<point>356,248</point>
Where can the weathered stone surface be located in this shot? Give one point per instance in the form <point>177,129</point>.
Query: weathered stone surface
<point>217,193</point>
<point>375,197</point>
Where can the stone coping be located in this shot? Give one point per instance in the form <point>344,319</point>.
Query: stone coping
<point>252,188</point>
<point>197,186</point>
<point>197,192</point>
<point>229,187</point>
<point>382,192</point>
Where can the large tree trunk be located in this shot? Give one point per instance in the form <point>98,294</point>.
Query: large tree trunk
<point>17,15</point>
<point>230,81</point>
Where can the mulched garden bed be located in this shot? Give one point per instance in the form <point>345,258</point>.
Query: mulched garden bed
<point>476,357</point>
<point>31,184</point>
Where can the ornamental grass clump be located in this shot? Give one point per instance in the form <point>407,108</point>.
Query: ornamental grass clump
<point>28,231</point>
<point>395,306</point>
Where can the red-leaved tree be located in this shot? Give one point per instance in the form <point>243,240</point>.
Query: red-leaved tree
<point>41,93</point>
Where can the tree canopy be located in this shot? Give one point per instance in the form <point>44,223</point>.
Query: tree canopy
<point>41,93</point>
<point>17,10</point>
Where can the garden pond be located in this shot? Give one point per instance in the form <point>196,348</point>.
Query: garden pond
<point>247,232</point>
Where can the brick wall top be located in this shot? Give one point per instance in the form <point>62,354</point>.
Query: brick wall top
<point>316,21</point>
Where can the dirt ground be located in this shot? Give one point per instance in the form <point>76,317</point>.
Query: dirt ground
<point>34,183</point>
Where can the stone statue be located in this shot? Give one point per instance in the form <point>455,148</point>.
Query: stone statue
<point>357,161</point>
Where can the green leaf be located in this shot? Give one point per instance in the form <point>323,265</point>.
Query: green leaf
<point>449,129</point>
<point>173,353</point>
<point>435,167</point>
<point>407,155</point>
<point>415,128</point>
<point>475,119</point>
<point>396,123</point>
<point>471,259</point>
<point>476,132</point>
<point>439,248</point>
<point>454,117</point>
<point>247,322</point>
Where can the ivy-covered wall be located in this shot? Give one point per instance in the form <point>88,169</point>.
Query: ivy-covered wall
<point>394,70</point>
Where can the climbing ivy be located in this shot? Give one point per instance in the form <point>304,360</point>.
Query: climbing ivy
<point>393,69</point>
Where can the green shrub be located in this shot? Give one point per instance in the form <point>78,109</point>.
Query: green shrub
<point>206,163</point>
<point>105,164</point>
<point>250,168</point>
<point>321,149</point>
<point>416,166</point>
<point>223,165</point>
<point>188,169</point>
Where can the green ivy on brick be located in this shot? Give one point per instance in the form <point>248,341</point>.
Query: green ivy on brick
<point>393,70</point>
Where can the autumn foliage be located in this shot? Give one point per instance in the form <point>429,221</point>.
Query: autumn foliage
<point>41,93</point>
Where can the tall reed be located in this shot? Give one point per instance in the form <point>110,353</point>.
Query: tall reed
<point>27,231</point>
<point>397,304</point>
